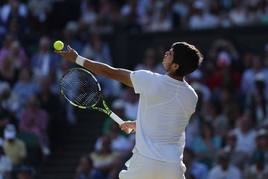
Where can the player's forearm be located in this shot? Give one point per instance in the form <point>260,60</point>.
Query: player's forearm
<point>97,67</point>
<point>121,75</point>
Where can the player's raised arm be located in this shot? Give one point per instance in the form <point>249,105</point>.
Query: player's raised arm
<point>119,74</point>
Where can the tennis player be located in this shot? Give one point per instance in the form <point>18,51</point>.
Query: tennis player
<point>165,107</point>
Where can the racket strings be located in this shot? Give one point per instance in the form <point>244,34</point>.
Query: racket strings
<point>81,88</point>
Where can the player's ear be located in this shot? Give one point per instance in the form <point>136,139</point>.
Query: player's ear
<point>175,66</point>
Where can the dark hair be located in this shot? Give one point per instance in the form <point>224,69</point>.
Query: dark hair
<point>187,56</point>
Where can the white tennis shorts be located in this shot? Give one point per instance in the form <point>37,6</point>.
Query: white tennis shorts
<point>140,167</point>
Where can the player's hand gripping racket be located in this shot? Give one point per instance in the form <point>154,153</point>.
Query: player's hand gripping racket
<point>82,90</point>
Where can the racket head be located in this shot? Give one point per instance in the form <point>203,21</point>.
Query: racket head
<point>80,88</point>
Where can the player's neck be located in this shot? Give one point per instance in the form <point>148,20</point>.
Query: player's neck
<point>179,78</point>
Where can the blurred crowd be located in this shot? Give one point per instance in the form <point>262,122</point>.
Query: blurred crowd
<point>226,137</point>
<point>134,16</point>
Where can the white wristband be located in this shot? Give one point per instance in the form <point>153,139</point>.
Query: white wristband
<point>80,60</point>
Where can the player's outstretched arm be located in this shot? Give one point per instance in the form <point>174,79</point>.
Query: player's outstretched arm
<point>121,75</point>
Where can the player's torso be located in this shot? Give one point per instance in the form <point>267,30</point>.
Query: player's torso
<point>165,111</point>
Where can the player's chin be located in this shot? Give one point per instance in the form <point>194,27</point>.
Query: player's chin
<point>164,65</point>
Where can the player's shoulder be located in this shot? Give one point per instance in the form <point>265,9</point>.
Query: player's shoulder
<point>146,74</point>
<point>191,92</point>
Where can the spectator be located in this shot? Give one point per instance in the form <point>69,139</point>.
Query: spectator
<point>224,57</point>
<point>229,106</point>
<point>5,163</point>
<point>7,72</point>
<point>261,151</point>
<point>25,87</point>
<point>149,61</point>
<point>69,35</point>
<point>57,124</point>
<point>194,169</point>
<point>181,10</point>
<point>25,172</point>
<point>249,75</point>
<point>223,45</point>
<point>35,120</point>
<point>237,158</point>
<point>85,169</point>
<point>95,48</point>
<point>8,107</point>
<point>40,9</point>
<point>217,118</point>
<point>245,134</point>
<point>44,62</point>
<point>18,55</point>
<point>257,170</point>
<point>103,157</point>
<point>119,143</point>
<point>14,148</point>
<point>239,14</point>
<point>196,81</point>
<point>14,54</point>
<point>161,22</point>
<point>89,14</point>
<point>223,169</point>
<point>5,49</point>
<point>257,102</point>
<point>200,19</point>
<point>131,104</point>
<point>130,16</point>
<point>13,6</point>
<point>206,145</point>
<point>14,15</point>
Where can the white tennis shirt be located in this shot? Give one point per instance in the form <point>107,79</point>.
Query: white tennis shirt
<point>165,107</point>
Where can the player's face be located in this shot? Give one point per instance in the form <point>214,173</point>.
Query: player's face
<point>168,61</point>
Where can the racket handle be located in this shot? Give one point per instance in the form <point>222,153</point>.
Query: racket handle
<point>118,120</point>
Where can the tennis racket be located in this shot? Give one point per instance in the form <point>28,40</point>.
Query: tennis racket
<point>81,89</point>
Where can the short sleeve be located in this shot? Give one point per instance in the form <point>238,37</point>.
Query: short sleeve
<point>142,80</point>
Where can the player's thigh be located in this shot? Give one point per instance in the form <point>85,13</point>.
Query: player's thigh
<point>134,166</point>
<point>140,167</point>
<point>169,171</point>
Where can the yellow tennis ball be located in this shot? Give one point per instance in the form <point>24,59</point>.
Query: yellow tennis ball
<point>58,45</point>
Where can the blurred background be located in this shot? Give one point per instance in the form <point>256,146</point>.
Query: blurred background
<point>44,137</point>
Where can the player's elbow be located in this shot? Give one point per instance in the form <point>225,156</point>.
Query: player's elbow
<point>120,75</point>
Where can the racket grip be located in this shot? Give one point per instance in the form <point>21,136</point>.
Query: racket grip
<point>118,120</point>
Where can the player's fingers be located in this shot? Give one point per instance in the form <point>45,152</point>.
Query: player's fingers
<point>70,48</point>
<point>121,127</point>
<point>60,52</point>
<point>130,131</point>
<point>124,128</point>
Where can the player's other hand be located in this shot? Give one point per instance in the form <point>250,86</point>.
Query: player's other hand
<point>128,126</point>
<point>70,54</point>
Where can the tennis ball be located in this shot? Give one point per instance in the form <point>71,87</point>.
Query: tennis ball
<point>58,45</point>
